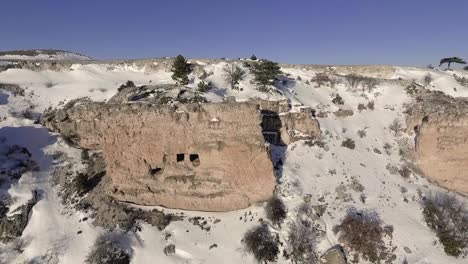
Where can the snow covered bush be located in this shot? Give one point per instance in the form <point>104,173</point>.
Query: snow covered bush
<point>261,243</point>
<point>275,211</point>
<point>447,216</point>
<point>107,252</point>
<point>321,79</point>
<point>302,241</point>
<point>362,232</point>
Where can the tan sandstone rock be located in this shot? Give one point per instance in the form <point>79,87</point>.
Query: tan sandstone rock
<point>439,124</point>
<point>209,157</point>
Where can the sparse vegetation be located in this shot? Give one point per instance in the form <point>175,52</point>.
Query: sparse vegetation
<point>260,242</point>
<point>203,87</point>
<point>302,241</point>
<point>362,133</point>
<point>275,211</point>
<point>180,70</point>
<point>447,216</point>
<point>463,81</point>
<point>338,100</point>
<point>396,127</point>
<point>233,74</point>
<point>348,143</point>
<point>427,79</point>
<point>321,79</point>
<point>107,252</point>
<point>362,232</point>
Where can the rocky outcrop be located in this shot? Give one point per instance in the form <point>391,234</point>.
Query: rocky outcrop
<point>13,226</point>
<point>282,126</point>
<point>334,255</point>
<point>209,157</point>
<point>439,124</point>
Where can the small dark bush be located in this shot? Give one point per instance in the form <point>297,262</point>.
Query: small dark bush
<point>348,143</point>
<point>370,105</point>
<point>362,232</point>
<point>338,100</point>
<point>126,85</point>
<point>276,211</point>
<point>427,79</point>
<point>260,242</point>
<point>107,252</point>
<point>253,57</point>
<point>447,216</point>
<point>203,86</point>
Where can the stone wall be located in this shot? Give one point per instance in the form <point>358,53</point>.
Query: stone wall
<point>209,157</point>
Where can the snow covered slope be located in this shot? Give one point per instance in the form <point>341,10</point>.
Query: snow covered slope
<point>334,177</point>
<point>42,54</point>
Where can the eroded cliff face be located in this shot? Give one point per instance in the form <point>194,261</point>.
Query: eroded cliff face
<point>209,157</point>
<point>282,126</point>
<point>439,124</point>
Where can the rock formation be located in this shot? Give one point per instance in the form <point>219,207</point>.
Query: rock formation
<point>209,157</point>
<point>282,126</point>
<point>439,124</point>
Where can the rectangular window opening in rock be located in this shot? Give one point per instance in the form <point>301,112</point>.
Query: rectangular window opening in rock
<point>195,159</point>
<point>180,157</point>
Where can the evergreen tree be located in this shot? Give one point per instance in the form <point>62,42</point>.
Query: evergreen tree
<point>253,57</point>
<point>466,68</point>
<point>451,60</point>
<point>181,70</point>
<point>265,73</point>
<point>233,74</point>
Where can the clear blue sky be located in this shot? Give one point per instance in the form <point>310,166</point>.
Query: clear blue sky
<point>400,32</point>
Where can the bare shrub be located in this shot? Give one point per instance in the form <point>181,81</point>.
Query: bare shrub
<point>348,143</point>
<point>302,241</point>
<point>362,133</point>
<point>369,84</point>
<point>321,79</point>
<point>233,74</point>
<point>396,127</point>
<point>362,232</point>
<point>447,216</point>
<point>260,242</point>
<point>354,80</point>
<point>275,211</point>
<point>427,79</point>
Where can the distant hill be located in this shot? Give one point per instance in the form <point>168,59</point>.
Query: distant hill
<point>42,54</point>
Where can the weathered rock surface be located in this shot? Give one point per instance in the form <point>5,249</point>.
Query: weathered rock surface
<point>12,226</point>
<point>282,126</point>
<point>334,255</point>
<point>209,157</point>
<point>439,124</point>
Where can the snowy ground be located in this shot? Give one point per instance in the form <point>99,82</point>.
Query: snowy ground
<point>52,235</point>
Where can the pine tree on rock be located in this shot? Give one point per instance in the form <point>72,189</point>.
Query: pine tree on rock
<point>451,60</point>
<point>181,70</point>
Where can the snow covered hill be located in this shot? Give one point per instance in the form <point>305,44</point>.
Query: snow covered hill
<point>42,54</point>
<point>333,175</point>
